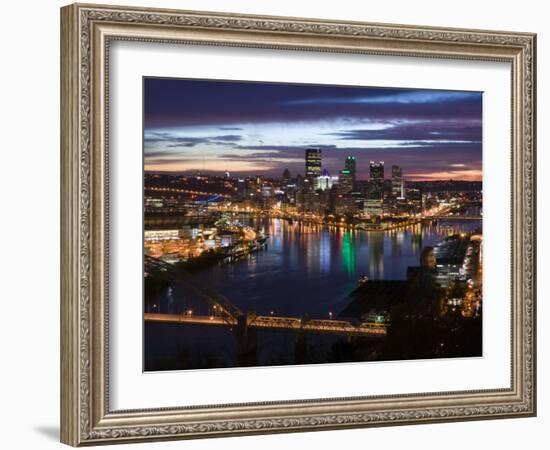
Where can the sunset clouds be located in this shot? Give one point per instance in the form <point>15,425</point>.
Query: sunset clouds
<point>262,128</point>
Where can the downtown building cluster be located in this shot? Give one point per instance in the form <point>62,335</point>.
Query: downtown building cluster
<point>319,192</point>
<point>375,194</point>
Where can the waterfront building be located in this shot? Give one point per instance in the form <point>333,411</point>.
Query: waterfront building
<point>229,238</point>
<point>164,202</point>
<point>209,244</point>
<point>449,256</point>
<point>343,204</point>
<point>161,235</point>
<point>376,173</point>
<point>312,202</point>
<point>153,203</point>
<point>373,207</point>
<point>358,201</point>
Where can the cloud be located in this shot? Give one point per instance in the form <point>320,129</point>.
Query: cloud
<point>265,127</point>
<point>283,156</point>
<point>184,142</point>
<point>174,141</point>
<point>399,97</point>
<point>226,138</point>
<point>230,105</point>
<point>168,161</point>
<point>285,147</point>
<point>150,155</point>
<point>433,131</point>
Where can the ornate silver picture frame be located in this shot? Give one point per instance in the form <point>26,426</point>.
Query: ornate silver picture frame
<point>87,32</point>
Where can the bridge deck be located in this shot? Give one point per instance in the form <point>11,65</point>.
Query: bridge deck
<point>446,217</point>
<point>190,319</point>
<point>277,323</point>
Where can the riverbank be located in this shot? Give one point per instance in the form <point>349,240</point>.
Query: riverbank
<point>224,255</point>
<point>345,223</point>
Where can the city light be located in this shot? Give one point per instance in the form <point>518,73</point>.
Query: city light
<point>296,243</point>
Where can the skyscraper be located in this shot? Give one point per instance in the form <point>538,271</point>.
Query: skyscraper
<point>376,179</point>
<point>345,182</point>
<point>397,183</point>
<point>313,163</point>
<point>299,182</point>
<point>286,177</point>
<point>416,199</point>
<point>350,165</point>
<point>241,188</point>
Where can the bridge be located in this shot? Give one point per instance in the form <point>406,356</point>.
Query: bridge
<point>177,190</point>
<point>366,329</point>
<point>227,314</point>
<point>447,217</point>
<point>223,307</point>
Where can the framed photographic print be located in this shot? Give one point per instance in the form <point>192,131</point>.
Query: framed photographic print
<point>274,224</point>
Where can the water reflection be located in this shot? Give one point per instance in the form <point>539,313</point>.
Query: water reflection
<point>348,254</point>
<point>376,255</point>
<point>396,237</point>
<point>324,253</point>
<point>306,270</point>
<point>416,237</point>
<point>311,269</point>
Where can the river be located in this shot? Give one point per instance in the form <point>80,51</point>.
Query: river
<point>306,269</point>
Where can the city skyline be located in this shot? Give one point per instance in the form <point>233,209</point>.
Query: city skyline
<point>250,128</point>
<point>370,254</point>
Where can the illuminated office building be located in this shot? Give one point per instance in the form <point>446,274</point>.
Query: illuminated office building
<point>397,182</point>
<point>376,172</point>
<point>313,163</point>
<point>350,166</point>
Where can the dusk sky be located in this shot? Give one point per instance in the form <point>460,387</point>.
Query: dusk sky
<point>250,128</point>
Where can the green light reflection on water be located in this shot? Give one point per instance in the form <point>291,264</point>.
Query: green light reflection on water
<point>348,254</point>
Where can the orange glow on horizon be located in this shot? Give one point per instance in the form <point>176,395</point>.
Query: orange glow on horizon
<point>208,166</point>
<point>462,175</point>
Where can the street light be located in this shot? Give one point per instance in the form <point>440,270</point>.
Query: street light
<point>330,315</point>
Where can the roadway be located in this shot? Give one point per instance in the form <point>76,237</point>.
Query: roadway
<point>187,318</point>
<point>443,217</point>
<point>276,323</point>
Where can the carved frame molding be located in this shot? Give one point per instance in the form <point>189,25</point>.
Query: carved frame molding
<point>86,33</point>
